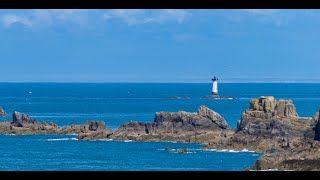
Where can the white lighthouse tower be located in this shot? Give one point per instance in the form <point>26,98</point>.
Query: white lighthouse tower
<point>215,86</point>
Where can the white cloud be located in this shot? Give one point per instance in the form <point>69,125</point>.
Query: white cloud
<point>9,19</point>
<point>270,16</point>
<point>38,19</point>
<point>135,16</point>
<point>42,19</point>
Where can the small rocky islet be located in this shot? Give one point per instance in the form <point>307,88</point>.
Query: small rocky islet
<point>269,126</point>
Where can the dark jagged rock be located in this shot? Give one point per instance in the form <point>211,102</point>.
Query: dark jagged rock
<point>23,124</point>
<point>214,116</point>
<point>176,126</point>
<point>2,112</point>
<point>22,120</point>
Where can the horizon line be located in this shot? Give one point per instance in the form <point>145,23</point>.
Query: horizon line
<point>182,82</point>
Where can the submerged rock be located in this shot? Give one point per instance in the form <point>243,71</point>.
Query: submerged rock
<point>179,97</point>
<point>183,150</point>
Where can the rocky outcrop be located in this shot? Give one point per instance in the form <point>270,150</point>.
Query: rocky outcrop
<point>23,124</point>
<point>90,130</point>
<point>268,117</point>
<point>213,116</point>
<point>305,156</point>
<point>274,127</point>
<point>268,124</point>
<point>176,126</point>
<point>2,112</point>
<point>22,120</point>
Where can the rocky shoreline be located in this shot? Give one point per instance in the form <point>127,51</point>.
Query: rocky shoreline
<point>270,126</point>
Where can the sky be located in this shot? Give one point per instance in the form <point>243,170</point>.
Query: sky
<point>245,45</point>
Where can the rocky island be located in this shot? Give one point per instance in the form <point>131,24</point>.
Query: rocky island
<point>177,126</point>
<point>22,124</point>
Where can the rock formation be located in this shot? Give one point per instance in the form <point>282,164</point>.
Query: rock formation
<point>23,124</point>
<point>176,126</point>
<point>2,112</point>
<point>88,131</point>
<point>268,124</point>
<point>274,127</point>
<point>305,156</point>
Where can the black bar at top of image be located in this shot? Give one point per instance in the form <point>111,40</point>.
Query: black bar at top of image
<point>157,4</point>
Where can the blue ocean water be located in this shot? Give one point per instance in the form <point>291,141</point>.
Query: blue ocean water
<point>116,103</point>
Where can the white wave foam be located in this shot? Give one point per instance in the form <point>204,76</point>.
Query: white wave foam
<point>233,151</point>
<point>167,150</point>
<point>229,150</point>
<point>10,134</point>
<point>62,139</point>
<point>209,150</point>
<point>127,140</point>
<point>104,140</point>
<point>246,150</point>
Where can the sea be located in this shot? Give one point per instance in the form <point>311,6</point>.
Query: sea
<point>117,103</point>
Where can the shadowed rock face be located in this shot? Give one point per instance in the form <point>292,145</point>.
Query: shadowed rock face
<point>317,126</point>
<point>2,112</point>
<point>174,126</point>
<point>213,116</point>
<point>22,120</point>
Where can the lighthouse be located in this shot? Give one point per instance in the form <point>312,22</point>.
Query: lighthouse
<point>215,86</point>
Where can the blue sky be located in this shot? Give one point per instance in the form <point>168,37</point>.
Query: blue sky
<point>159,45</point>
